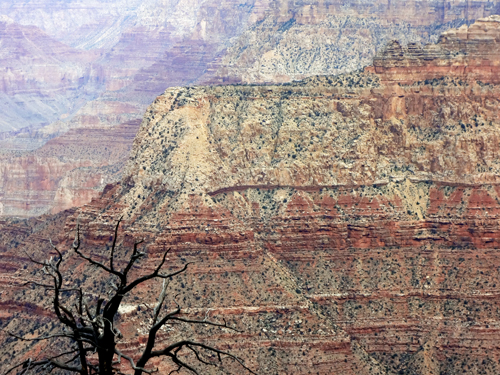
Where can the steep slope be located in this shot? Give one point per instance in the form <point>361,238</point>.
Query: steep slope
<point>300,39</point>
<point>41,78</point>
<point>141,47</point>
<point>346,225</point>
<point>127,87</point>
<point>467,53</point>
<point>66,171</point>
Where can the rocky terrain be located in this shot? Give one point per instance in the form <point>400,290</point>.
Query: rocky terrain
<point>41,79</point>
<point>346,224</point>
<point>458,53</point>
<point>333,39</point>
<point>65,171</point>
<point>98,64</point>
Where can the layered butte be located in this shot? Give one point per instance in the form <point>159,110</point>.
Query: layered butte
<point>346,225</point>
<point>97,64</point>
<point>470,53</point>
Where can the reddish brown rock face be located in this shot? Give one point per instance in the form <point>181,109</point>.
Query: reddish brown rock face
<point>347,225</point>
<point>124,53</point>
<point>468,53</point>
<point>91,159</point>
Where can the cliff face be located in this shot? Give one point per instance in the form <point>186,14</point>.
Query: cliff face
<point>469,53</point>
<point>68,170</point>
<point>109,60</point>
<point>354,129</point>
<point>40,78</point>
<point>139,53</point>
<point>346,224</point>
<point>300,39</point>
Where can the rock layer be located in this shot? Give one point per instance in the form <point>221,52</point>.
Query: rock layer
<point>48,177</point>
<point>41,79</point>
<point>470,53</point>
<point>346,225</point>
<point>117,54</point>
<point>295,40</point>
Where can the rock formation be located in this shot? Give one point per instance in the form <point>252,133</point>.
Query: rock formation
<point>109,60</point>
<point>299,39</point>
<point>41,79</point>
<point>470,53</point>
<point>346,225</point>
<point>67,170</point>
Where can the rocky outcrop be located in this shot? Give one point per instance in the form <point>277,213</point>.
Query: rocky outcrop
<point>109,60</point>
<point>68,170</point>
<point>469,53</point>
<point>345,224</point>
<point>296,40</point>
<point>140,55</point>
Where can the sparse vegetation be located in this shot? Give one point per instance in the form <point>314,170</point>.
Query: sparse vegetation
<point>89,334</point>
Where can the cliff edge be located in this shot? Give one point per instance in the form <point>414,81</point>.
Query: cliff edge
<point>345,225</point>
<point>470,53</point>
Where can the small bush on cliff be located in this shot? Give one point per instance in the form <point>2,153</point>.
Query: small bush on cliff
<point>87,339</point>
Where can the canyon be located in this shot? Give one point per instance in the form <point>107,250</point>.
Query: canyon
<point>98,65</point>
<point>344,224</point>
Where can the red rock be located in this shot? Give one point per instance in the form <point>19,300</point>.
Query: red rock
<point>469,53</point>
<point>346,225</point>
<point>136,50</point>
<point>91,159</point>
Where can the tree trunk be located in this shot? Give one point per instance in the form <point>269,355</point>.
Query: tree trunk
<point>105,361</point>
<point>106,351</point>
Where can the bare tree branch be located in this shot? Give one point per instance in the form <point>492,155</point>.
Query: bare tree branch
<point>179,345</point>
<point>95,263</point>
<point>132,364</point>
<point>62,366</point>
<point>89,323</point>
<point>28,363</point>
<point>111,257</point>
<point>40,338</point>
<point>136,255</point>
<point>181,364</point>
<point>140,280</point>
<point>161,300</point>
<point>197,354</point>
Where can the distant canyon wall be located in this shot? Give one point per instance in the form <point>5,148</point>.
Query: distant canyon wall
<point>98,65</point>
<point>344,224</point>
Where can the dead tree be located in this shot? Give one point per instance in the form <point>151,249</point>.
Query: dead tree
<point>88,325</point>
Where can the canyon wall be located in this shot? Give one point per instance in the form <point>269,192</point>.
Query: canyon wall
<point>66,171</point>
<point>99,64</point>
<point>299,39</point>
<point>41,79</point>
<point>469,53</point>
<point>344,224</point>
